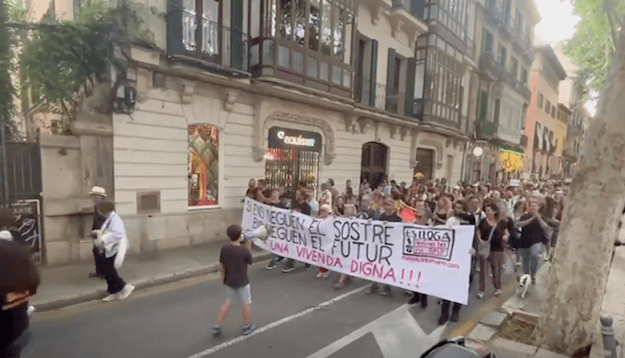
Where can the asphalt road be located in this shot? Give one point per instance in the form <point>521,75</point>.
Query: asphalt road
<point>297,316</point>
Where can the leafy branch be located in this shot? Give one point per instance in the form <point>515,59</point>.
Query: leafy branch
<point>593,46</point>
<point>62,62</point>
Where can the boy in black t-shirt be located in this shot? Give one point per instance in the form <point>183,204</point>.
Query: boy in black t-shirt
<point>234,259</point>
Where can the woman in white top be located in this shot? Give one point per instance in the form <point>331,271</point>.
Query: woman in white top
<point>112,241</point>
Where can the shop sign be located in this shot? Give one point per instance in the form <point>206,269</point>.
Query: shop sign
<point>285,138</point>
<point>511,161</point>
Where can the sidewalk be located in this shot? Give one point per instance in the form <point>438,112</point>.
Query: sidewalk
<point>614,304</point>
<point>529,306</point>
<point>63,286</point>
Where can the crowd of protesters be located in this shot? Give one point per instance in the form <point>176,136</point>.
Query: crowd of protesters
<point>515,221</point>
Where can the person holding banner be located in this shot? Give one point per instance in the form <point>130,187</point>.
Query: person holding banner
<point>350,212</point>
<point>388,215</point>
<point>458,218</point>
<point>324,212</point>
<point>493,237</point>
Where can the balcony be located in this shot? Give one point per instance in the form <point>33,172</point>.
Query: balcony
<point>378,98</point>
<point>486,129</point>
<point>410,15</point>
<point>495,13</point>
<point>509,30</point>
<point>470,52</point>
<point>527,94</point>
<point>523,140</point>
<point>520,87</point>
<point>210,44</point>
<point>489,65</point>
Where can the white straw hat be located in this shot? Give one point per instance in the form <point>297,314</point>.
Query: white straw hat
<point>98,190</point>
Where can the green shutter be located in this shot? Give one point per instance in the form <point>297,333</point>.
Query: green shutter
<point>391,97</point>
<point>410,80</point>
<point>483,107</point>
<point>373,78</point>
<point>238,40</point>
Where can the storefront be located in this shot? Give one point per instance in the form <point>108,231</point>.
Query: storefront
<point>510,164</point>
<point>292,158</point>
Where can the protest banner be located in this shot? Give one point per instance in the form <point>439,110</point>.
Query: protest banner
<point>430,260</point>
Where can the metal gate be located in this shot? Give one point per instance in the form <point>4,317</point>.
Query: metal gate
<point>288,168</point>
<point>20,192</point>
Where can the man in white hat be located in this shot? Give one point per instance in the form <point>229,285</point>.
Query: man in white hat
<point>98,194</point>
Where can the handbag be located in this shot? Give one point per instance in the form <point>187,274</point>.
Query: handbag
<point>484,250</point>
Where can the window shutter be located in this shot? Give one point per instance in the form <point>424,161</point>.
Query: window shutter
<point>238,55</point>
<point>410,82</point>
<point>174,28</point>
<point>374,72</point>
<point>390,79</point>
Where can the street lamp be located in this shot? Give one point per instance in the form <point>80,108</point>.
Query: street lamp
<point>478,151</point>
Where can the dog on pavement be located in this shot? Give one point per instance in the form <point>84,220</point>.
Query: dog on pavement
<point>524,284</point>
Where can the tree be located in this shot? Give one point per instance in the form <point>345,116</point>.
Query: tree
<point>61,62</point>
<point>6,89</point>
<point>594,43</point>
<point>579,272</point>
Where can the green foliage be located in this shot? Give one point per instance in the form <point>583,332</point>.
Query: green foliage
<point>63,61</point>
<point>17,11</point>
<point>592,47</point>
<point>6,88</point>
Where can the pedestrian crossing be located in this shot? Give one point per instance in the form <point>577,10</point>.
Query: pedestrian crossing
<point>394,335</point>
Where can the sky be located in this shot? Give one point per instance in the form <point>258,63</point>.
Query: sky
<point>558,21</point>
<point>557,25</point>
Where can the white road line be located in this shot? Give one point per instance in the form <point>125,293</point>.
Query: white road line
<point>397,334</point>
<point>275,324</point>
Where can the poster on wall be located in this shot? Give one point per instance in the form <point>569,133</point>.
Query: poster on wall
<point>25,224</point>
<point>203,170</point>
<point>412,257</point>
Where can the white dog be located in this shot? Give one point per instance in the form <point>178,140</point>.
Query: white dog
<point>524,284</point>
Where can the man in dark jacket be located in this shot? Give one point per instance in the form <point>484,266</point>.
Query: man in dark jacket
<point>98,195</point>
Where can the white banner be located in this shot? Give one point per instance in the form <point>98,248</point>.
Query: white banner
<point>430,260</point>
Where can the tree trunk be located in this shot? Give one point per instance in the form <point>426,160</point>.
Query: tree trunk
<point>570,313</point>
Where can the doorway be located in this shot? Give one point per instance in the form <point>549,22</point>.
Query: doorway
<point>425,163</point>
<point>374,163</point>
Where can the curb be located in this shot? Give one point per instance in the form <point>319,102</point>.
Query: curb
<point>142,284</point>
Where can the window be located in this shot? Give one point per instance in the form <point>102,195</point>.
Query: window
<point>503,56</point>
<point>482,114</point>
<point>539,100</point>
<point>553,112</point>
<point>313,41</point>
<point>443,79</point>
<point>548,107</point>
<point>488,42</point>
<point>450,13</point>
<point>183,24</point>
<point>497,111</point>
<point>203,165</point>
<point>514,68</point>
<point>524,76</point>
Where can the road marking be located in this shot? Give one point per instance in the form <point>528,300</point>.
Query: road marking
<point>276,324</point>
<point>397,334</point>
